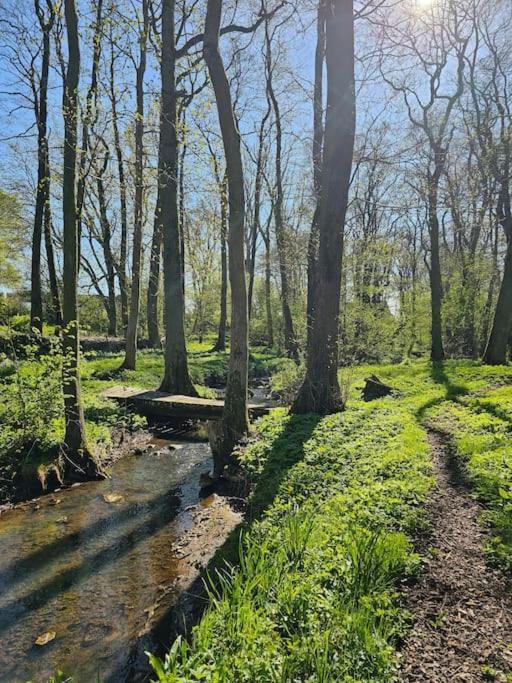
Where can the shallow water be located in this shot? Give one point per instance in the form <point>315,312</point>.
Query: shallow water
<point>91,571</point>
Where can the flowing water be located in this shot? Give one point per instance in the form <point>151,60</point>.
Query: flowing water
<point>88,566</point>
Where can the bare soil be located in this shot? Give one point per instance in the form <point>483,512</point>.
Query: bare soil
<point>461,608</point>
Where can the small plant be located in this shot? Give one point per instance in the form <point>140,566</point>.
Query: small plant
<point>488,673</point>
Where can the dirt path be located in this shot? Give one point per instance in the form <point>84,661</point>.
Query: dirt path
<point>462,609</point>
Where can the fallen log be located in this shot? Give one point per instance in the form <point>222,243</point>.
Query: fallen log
<point>374,388</point>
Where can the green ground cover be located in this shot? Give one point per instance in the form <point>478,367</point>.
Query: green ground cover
<point>336,500</point>
<point>471,405</point>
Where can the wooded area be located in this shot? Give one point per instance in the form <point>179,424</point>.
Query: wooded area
<point>199,182</point>
<point>410,240</point>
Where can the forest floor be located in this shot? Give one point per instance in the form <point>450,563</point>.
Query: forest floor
<point>384,529</point>
<point>326,585</point>
<point>461,607</point>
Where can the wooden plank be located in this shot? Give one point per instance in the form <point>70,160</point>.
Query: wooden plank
<point>161,404</point>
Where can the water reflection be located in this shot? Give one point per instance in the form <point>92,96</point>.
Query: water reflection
<point>91,570</point>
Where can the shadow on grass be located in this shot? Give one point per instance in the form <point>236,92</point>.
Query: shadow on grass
<point>286,451</point>
<point>452,391</point>
<point>483,406</point>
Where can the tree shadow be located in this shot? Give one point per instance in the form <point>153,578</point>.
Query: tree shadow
<point>17,570</point>
<point>166,508</point>
<point>484,406</point>
<point>286,451</point>
<point>452,390</point>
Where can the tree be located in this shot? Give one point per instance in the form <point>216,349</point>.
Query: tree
<point>290,342</point>
<point>133,317</point>
<point>320,391</point>
<point>494,134</point>
<point>176,374</point>
<point>221,183</point>
<point>78,459</point>
<point>318,134</point>
<point>123,252</point>
<point>235,419</point>
<point>12,240</point>
<point>442,36</point>
<point>42,214</point>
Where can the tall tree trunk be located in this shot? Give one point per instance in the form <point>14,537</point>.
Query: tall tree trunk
<point>268,285</point>
<point>50,260</point>
<point>90,113</point>
<point>318,134</point>
<point>256,222</point>
<point>106,244</point>
<point>123,255</point>
<point>43,171</point>
<point>220,344</point>
<point>290,342</point>
<point>176,375</point>
<point>181,195</point>
<point>235,419</point>
<point>130,358</point>
<point>493,285</point>
<point>78,461</point>
<point>320,391</point>
<point>436,287</point>
<point>154,280</point>
<point>496,350</point>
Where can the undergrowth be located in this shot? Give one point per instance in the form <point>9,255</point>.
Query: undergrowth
<point>313,597</point>
<point>471,405</point>
<point>31,401</point>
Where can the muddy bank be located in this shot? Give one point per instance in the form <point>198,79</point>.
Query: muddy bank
<point>30,484</point>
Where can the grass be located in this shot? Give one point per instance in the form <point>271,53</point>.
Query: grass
<point>312,593</point>
<point>313,597</point>
<point>471,405</point>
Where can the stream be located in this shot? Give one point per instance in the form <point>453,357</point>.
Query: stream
<point>85,566</point>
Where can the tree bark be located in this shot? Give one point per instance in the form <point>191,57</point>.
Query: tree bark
<point>154,280</point>
<point>78,461</point>
<point>256,227</point>
<point>235,419</point>
<point>176,375</point>
<point>290,341</point>
<point>123,280</point>
<point>42,208</point>
<point>90,112</point>
<point>268,285</point>
<point>320,391</point>
<point>436,286</point>
<point>130,358</point>
<point>496,350</point>
<point>318,134</point>
<point>106,245</point>
<point>220,344</point>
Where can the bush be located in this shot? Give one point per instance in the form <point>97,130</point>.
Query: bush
<point>31,405</point>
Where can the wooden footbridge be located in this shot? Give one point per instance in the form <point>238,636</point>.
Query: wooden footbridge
<point>158,404</point>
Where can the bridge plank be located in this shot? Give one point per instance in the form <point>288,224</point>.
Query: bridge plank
<point>161,404</point>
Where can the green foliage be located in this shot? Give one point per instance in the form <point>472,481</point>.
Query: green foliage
<point>313,595</point>
<point>479,425</point>
<point>471,404</point>
<point>13,233</point>
<point>30,411</point>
